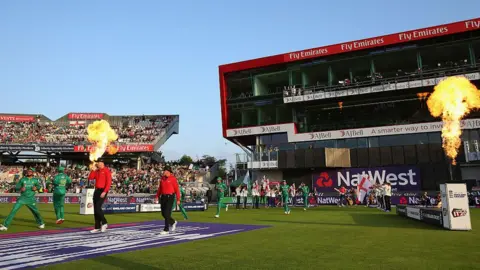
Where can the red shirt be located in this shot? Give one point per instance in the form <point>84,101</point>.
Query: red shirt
<point>103,178</point>
<point>342,190</point>
<point>168,186</point>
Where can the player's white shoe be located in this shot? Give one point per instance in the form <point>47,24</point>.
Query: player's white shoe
<point>174,226</point>
<point>217,216</point>
<point>3,228</point>
<point>226,207</point>
<point>104,227</point>
<point>288,213</point>
<point>95,231</point>
<point>163,233</point>
<point>41,226</point>
<point>304,209</point>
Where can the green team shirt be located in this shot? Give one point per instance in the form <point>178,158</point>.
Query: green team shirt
<point>284,189</point>
<point>60,182</point>
<point>182,194</point>
<point>221,188</point>
<point>28,184</point>
<point>305,191</point>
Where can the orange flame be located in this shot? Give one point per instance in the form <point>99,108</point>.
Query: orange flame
<point>422,96</point>
<point>112,149</point>
<point>452,99</point>
<point>100,134</point>
<point>340,104</point>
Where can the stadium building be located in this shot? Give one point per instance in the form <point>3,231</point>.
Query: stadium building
<point>328,114</point>
<point>38,138</point>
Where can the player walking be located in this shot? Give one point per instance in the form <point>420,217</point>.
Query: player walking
<point>221,188</point>
<point>182,200</point>
<point>27,186</point>
<point>60,182</point>
<point>305,191</point>
<point>284,188</point>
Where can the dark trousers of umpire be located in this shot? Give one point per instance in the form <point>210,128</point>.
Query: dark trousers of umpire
<point>166,205</point>
<point>388,203</point>
<point>97,208</point>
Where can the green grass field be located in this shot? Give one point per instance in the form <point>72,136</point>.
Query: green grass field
<point>325,237</point>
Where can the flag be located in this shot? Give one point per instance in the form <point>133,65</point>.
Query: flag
<point>363,187</point>
<point>246,181</point>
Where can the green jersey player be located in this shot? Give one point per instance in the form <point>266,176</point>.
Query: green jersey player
<point>284,188</point>
<point>60,183</point>
<point>221,189</point>
<point>27,186</point>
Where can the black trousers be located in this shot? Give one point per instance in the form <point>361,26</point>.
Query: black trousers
<point>256,202</point>
<point>97,208</point>
<point>388,203</point>
<point>238,201</point>
<point>245,202</point>
<point>380,202</point>
<point>166,205</point>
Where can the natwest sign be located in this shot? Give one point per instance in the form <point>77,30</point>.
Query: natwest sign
<point>402,178</point>
<point>85,116</point>
<point>121,148</point>
<point>17,118</point>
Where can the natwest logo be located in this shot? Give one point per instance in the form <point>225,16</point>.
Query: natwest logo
<point>402,178</point>
<point>85,116</point>
<point>324,180</point>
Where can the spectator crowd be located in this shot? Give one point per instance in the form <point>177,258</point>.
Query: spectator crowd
<point>133,130</point>
<point>125,179</point>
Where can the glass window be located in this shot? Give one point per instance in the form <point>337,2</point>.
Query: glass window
<point>373,142</point>
<point>325,144</point>
<point>362,142</point>
<point>286,146</point>
<point>434,137</point>
<point>340,144</point>
<point>474,134</point>
<point>279,138</point>
<point>351,143</point>
<point>304,145</point>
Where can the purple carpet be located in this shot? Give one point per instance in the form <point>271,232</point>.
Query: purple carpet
<point>33,249</point>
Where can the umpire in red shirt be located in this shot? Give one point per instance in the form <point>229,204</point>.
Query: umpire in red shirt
<point>103,181</point>
<point>167,190</point>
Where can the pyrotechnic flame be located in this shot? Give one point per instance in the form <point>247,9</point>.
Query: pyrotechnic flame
<point>452,99</point>
<point>100,134</point>
<point>340,104</point>
<point>422,96</point>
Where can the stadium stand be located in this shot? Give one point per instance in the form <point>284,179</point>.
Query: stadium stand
<point>131,130</point>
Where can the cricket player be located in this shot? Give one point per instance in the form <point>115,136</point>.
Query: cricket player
<point>284,188</point>
<point>60,182</point>
<point>27,186</point>
<point>221,188</point>
<point>182,200</point>
<point>305,192</point>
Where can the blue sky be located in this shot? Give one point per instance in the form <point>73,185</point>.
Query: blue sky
<point>162,57</point>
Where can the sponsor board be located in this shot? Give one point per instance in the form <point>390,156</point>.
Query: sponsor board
<point>455,207</point>
<point>431,216</point>
<point>195,206</point>
<point>120,208</point>
<point>34,249</point>
<point>293,136</point>
<point>413,213</point>
<point>401,178</point>
<point>401,210</point>
<point>150,208</point>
